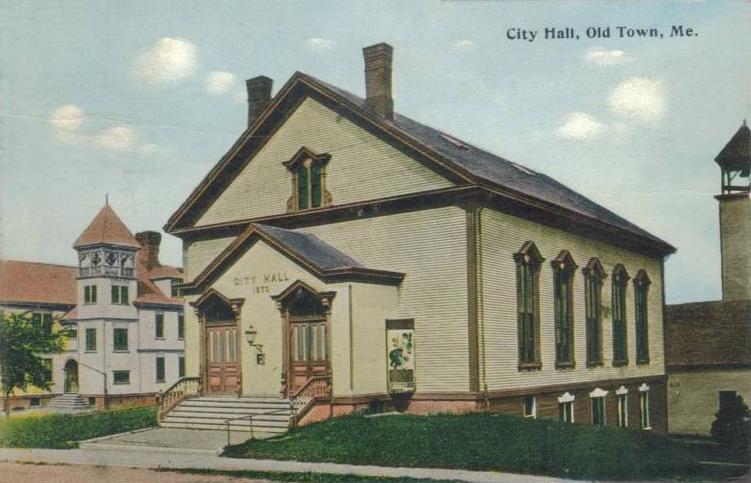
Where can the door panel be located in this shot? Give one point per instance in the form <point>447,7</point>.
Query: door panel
<point>222,366</point>
<point>308,350</point>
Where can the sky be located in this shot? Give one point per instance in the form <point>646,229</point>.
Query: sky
<point>139,99</point>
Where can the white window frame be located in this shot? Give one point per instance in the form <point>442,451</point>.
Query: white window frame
<point>644,408</point>
<point>600,395</point>
<point>533,414</point>
<point>567,398</point>
<point>622,395</point>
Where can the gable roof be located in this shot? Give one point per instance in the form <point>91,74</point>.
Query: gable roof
<point>321,259</point>
<point>41,283</point>
<point>106,228</point>
<point>464,162</point>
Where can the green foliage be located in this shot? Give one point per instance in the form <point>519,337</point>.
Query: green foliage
<point>483,442</point>
<point>21,342</point>
<point>732,427</point>
<point>62,430</point>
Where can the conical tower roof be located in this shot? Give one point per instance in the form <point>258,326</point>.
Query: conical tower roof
<point>107,227</point>
<point>736,155</point>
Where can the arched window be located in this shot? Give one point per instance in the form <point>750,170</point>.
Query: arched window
<point>641,291</point>
<point>528,263</point>
<point>308,180</point>
<point>619,284</point>
<point>593,277</point>
<point>563,293</point>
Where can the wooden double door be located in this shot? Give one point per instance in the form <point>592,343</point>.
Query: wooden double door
<point>222,358</point>
<point>308,350</point>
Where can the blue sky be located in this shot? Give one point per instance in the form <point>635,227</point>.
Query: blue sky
<point>140,99</point>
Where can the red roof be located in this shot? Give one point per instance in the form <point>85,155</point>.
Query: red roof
<point>37,283</point>
<point>107,227</point>
<point>165,271</point>
<point>148,292</point>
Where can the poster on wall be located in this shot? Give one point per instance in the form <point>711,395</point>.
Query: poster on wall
<point>400,351</point>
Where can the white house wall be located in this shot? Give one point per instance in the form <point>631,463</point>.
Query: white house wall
<point>362,167</point>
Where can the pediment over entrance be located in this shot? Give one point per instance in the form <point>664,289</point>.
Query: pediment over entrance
<point>325,262</point>
<point>216,306</point>
<point>300,296</point>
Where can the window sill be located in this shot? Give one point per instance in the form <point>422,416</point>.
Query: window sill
<point>160,382</point>
<point>620,363</point>
<point>90,351</point>
<point>595,364</point>
<point>565,365</point>
<point>642,362</point>
<point>530,366</point>
<point>181,338</point>
<point>121,383</point>
<point>120,351</point>
<point>159,338</point>
<point>648,428</point>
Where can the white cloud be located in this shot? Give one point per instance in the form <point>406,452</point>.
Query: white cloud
<point>319,45</point>
<point>220,82</point>
<point>167,61</point>
<point>117,138</point>
<point>638,98</point>
<point>68,117</point>
<point>579,125</point>
<point>462,46</point>
<point>600,56</point>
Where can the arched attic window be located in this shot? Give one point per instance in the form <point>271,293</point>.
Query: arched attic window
<point>593,278</point>
<point>528,263</point>
<point>619,285</point>
<point>308,180</point>
<point>564,268</point>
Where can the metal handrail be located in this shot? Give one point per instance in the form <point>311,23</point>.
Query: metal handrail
<point>249,417</point>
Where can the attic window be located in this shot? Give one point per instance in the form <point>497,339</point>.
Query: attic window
<point>455,142</point>
<point>308,171</point>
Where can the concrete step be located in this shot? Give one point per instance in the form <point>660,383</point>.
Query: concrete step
<point>220,419</point>
<point>230,414</point>
<point>236,408</point>
<point>223,427</point>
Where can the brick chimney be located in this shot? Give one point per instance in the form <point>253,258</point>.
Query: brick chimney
<point>259,96</point>
<point>149,253</point>
<point>378,59</point>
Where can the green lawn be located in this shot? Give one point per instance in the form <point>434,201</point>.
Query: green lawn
<point>50,430</point>
<point>491,442</point>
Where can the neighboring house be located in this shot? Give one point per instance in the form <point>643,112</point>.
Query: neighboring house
<point>46,292</point>
<point>343,256</point>
<point>709,343</point>
<point>122,309</point>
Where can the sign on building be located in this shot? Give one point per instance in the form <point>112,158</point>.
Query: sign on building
<point>400,354</point>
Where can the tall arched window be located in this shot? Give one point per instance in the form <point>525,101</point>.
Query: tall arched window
<point>563,293</point>
<point>619,284</point>
<point>593,277</point>
<point>641,290</point>
<point>528,263</point>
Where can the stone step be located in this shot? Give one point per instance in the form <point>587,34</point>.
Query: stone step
<point>231,411</point>
<point>194,425</point>
<point>181,418</point>
<point>239,407</point>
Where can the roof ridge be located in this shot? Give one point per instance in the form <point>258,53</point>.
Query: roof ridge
<point>38,263</point>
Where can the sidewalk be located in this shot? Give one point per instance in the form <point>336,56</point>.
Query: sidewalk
<point>153,459</point>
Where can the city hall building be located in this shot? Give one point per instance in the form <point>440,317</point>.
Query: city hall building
<point>343,256</point>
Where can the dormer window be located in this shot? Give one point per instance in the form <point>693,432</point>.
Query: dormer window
<point>308,180</point>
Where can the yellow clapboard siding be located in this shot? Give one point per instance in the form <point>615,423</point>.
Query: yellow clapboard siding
<point>502,236</point>
<point>199,254</point>
<point>430,248</point>
<point>362,167</point>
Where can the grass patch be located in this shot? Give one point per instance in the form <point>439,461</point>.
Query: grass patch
<point>487,442</point>
<point>64,430</point>
<point>297,477</point>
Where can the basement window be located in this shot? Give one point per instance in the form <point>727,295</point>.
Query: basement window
<point>530,407</point>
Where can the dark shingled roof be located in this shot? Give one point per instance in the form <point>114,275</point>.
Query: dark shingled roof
<point>495,169</point>
<point>736,154</point>
<point>310,247</point>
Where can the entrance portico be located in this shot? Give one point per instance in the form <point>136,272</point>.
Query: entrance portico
<point>275,313</point>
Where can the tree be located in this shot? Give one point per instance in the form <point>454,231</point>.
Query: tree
<point>22,340</point>
<point>732,428</point>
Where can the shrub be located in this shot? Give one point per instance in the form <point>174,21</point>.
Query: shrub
<point>732,427</point>
<point>63,430</point>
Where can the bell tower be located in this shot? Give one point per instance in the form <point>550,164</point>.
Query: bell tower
<point>735,215</point>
